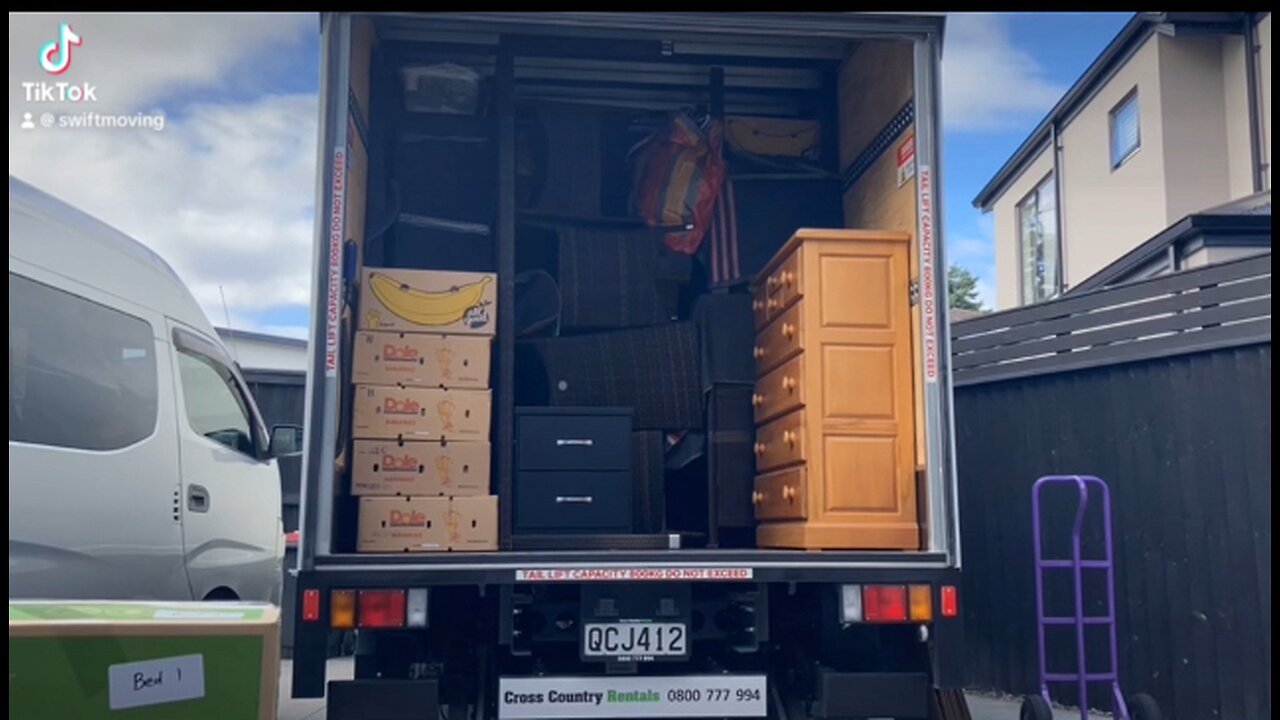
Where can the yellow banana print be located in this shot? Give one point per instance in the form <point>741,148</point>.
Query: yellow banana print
<point>422,307</point>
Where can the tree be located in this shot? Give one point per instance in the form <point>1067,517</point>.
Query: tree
<point>962,286</point>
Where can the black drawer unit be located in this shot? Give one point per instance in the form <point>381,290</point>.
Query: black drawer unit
<point>573,471</point>
<point>579,439</point>
<point>595,501</point>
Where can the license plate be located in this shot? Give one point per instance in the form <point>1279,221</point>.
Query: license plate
<point>632,642</point>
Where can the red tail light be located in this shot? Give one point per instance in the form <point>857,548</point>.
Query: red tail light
<point>382,608</point>
<point>950,601</point>
<point>884,603</point>
<point>310,605</point>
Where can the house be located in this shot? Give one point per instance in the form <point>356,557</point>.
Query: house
<point>1172,120</point>
<point>256,351</point>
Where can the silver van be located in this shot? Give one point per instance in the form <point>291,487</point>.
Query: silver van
<point>139,466</point>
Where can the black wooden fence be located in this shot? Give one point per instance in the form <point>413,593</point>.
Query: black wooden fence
<point>1163,388</point>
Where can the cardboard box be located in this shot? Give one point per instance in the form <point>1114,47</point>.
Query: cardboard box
<point>433,301</point>
<point>420,468</point>
<point>98,660</point>
<point>421,360</point>
<point>403,524</point>
<point>473,523</point>
<point>391,413</point>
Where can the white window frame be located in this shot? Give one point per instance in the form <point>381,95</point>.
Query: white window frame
<point>1130,98</point>
<point>1047,184</point>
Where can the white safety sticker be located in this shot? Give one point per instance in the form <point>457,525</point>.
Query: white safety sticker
<point>153,682</point>
<point>336,229</point>
<point>928,290</point>
<point>689,696</point>
<point>907,159</point>
<point>609,574</point>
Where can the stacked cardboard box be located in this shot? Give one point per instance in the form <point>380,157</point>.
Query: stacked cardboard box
<point>422,411</point>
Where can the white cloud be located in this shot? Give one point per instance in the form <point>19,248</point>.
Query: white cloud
<point>225,191</point>
<point>141,60</point>
<point>988,84</point>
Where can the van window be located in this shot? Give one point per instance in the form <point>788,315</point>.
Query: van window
<point>81,374</point>
<point>216,406</point>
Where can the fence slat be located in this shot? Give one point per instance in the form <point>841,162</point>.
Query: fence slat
<point>1163,285</point>
<point>1155,305</point>
<point>1238,334</point>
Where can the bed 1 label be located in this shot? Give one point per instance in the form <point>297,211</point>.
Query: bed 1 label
<point>152,682</point>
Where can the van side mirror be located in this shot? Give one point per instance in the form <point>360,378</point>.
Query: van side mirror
<point>285,440</point>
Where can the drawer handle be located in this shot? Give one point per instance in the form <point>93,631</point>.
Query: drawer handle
<point>772,282</point>
<point>789,437</point>
<point>757,352</point>
<point>759,448</point>
<point>771,303</point>
<point>757,305</point>
<point>757,400</point>
<point>573,499</point>
<point>788,277</point>
<point>574,442</point>
<point>788,383</point>
<point>788,330</point>
<point>788,492</point>
<point>757,497</point>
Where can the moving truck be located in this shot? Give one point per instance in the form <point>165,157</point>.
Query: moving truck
<point>446,140</point>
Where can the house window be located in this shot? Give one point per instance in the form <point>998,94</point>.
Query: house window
<point>1125,138</point>
<point>1038,243</point>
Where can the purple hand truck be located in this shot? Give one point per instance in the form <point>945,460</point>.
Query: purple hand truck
<point>1037,707</point>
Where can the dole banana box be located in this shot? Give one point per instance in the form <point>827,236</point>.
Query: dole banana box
<point>433,301</point>
<point>104,660</point>
<point>397,413</point>
<point>383,467</point>
<point>403,524</point>
<point>421,360</point>
<point>473,523</point>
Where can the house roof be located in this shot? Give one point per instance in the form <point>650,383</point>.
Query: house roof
<point>1140,27</point>
<point>1241,223</point>
<point>282,340</point>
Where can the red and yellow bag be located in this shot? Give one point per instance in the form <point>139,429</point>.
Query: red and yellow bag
<point>678,174</point>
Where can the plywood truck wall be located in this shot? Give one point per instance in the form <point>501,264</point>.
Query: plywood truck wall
<point>875,85</point>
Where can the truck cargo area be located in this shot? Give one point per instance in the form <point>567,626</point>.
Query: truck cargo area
<point>532,175</point>
<point>717,406</point>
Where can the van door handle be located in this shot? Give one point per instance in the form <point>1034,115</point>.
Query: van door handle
<point>197,499</point>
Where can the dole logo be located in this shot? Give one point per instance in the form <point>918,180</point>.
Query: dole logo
<point>55,56</point>
<point>408,518</point>
<point>405,353</point>
<point>406,406</point>
<point>402,462</point>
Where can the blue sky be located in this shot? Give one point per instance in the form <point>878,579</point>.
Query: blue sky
<point>1027,61</point>
<point>225,192</point>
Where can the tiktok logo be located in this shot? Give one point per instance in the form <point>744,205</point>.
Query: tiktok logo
<point>55,56</point>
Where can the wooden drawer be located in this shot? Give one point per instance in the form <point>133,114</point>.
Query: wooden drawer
<point>785,283</point>
<point>779,340</point>
<point>781,391</point>
<point>781,442</point>
<point>760,306</point>
<point>780,495</point>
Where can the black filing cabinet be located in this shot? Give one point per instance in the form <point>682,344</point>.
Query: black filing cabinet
<point>573,470</point>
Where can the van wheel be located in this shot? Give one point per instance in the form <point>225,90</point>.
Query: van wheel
<point>221,594</point>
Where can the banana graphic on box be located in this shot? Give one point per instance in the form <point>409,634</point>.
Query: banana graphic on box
<point>423,307</point>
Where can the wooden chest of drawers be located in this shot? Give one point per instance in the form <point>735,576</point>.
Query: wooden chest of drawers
<point>834,406</point>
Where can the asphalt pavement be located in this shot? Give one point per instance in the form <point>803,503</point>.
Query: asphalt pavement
<point>981,707</point>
